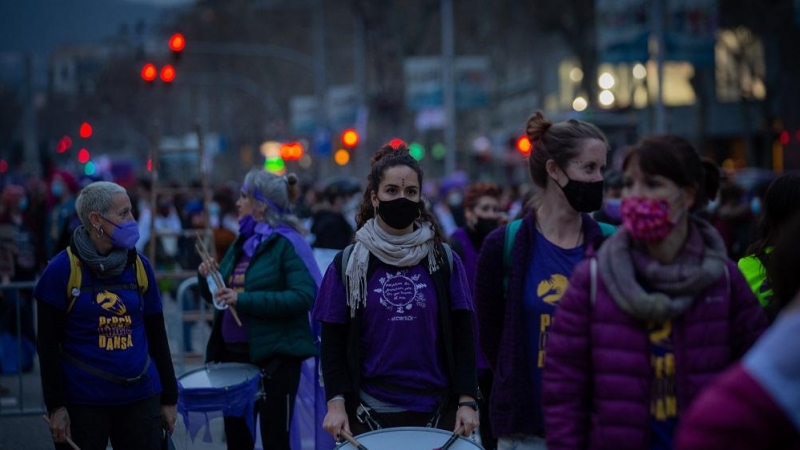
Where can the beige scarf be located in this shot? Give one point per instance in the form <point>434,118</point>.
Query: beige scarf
<point>401,251</point>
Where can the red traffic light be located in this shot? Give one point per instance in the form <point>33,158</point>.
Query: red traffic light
<point>177,42</point>
<point>350,138</point>
<point>64,144</point>
<point>85,131</point>
<point>83,156</point>
<point>149,72</point>
<point>291,151</point>
<point>168,74</point>
<point>784,137</point>
<point>524,145</point>
<point>3,166</point>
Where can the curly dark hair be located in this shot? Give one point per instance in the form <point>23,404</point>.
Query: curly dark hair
<point>392,155</point>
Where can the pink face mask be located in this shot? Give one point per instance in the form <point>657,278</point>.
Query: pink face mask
<point>647,219</point>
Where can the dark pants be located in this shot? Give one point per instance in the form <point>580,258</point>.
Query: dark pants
<point>135,426</point>
<point>275,409</point>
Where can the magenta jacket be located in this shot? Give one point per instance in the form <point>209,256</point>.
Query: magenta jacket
<point>598,375</point>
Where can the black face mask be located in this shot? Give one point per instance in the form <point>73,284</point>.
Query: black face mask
<point>485,226</point>
<point>584,196</point>
<point>398,213</point>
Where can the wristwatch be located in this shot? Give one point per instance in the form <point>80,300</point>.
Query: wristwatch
<point>472,404</point>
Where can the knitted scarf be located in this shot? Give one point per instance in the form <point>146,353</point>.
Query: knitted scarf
<point>104,266</point>
<point>670,288</point>
<point>401,251</point>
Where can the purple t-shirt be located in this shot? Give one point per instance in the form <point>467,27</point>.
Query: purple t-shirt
<point>399,339</point>
<point>231,331</point>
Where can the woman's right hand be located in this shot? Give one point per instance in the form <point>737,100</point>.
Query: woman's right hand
<point>206,267</point>
<point>59,425</point>
<point>336,420</point>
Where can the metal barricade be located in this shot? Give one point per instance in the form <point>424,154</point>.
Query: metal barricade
<point>25,396</point>
<point>187,316</point>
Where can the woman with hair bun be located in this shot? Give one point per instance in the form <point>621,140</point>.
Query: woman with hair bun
<point>396,314</point>
<point>649,321</point>
<point>520,282</point>
<point>271,280</point>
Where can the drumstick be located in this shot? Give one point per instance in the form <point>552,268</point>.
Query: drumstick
<point>69,441</point>
<point>201,250</point>
<point>452,439</point>
<point>352,440</point>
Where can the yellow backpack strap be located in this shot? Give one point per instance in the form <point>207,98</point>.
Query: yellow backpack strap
<point>75,278</point>
<point>141,275</point>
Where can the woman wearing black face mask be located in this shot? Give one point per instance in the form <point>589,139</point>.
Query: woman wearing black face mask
<point>396,314</point>
<point>566,164</point>
<point>483,214</point>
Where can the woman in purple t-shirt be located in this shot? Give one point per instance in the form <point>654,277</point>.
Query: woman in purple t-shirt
<point>397,337</point>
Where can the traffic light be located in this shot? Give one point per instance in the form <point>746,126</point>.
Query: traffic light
<point>350,138</point>
<point>64,144</point>
<point>291,151</point>
<point>342,157</point>
<point>524,145</point>
<point>149,72</point>
<point>84,156</point>
<point>85,131</point>
<point>168,74</point>
<point>177,43</point>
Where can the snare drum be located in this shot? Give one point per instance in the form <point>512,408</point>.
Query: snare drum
<point>231,389</point>
<point>218,386</point>
<point>405,438</point>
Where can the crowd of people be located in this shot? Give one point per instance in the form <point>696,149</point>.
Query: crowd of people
<point>608,307</point>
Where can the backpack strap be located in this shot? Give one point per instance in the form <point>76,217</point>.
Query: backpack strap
<point>448,253</point>
<point>607,229</point>
<point>75,279</point>
<point>345,258</point>
<point>511,234</point>
<point>141,275</point>
<point>593,280</point>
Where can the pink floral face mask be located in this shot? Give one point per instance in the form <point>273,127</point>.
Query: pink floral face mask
<point>647,219</point>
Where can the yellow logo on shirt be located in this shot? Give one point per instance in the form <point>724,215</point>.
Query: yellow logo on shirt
<point>552,289</point>
<point>111,303</point>
<point>114,333</point>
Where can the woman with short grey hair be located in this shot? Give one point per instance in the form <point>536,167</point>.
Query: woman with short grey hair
<point>105,362</point>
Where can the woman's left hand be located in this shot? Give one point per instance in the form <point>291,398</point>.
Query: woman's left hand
<point>467,417</point>
<point>227,296</point>
<point>168,417</point>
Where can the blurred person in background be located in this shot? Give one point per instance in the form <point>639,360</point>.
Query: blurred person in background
<point>18,263</point>
<point>756,403</point>
<point>781,202</point>
<point>483,214</point>
<point>144,213</point>
<point>612,199</point>
<point>271,280</point>
<point>652,318</point>
<point>329,225</point>
<point>105,362</point>
<point>61,217</point>
<point>732,218</point>
<point>517,293</point>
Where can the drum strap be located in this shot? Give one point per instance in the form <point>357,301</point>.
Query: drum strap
<point>102,373</point>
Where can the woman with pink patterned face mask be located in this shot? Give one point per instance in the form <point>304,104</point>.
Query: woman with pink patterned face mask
<point>654,316</point>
